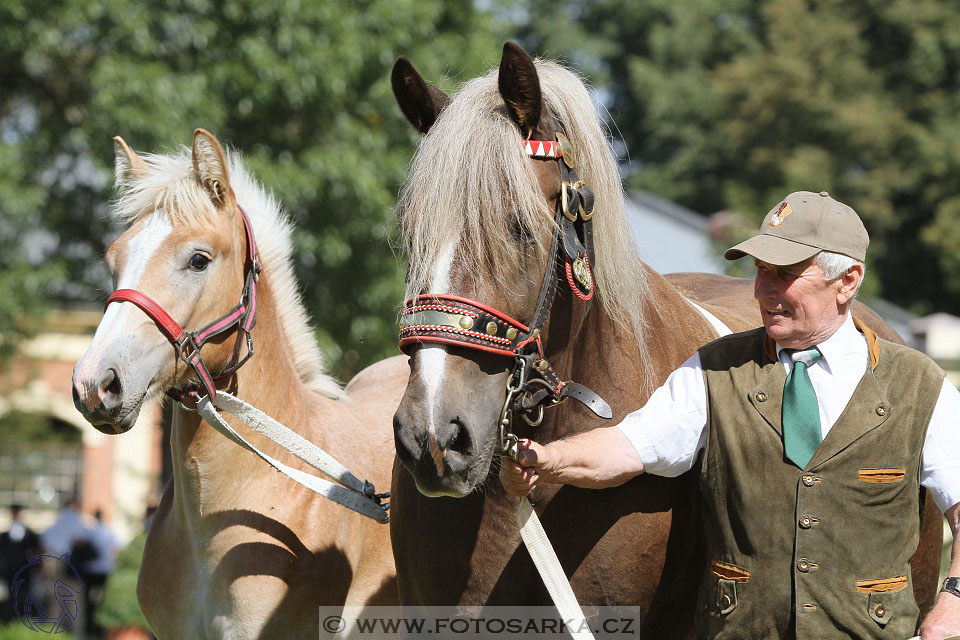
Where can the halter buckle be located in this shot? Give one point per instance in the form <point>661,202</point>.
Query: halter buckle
<point>186,347</point>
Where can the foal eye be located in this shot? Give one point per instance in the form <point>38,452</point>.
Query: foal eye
<point>199,262</point>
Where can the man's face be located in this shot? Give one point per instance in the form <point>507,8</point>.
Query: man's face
<point>798,308</point>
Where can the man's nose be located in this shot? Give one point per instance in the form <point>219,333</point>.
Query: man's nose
<point>762,287</point>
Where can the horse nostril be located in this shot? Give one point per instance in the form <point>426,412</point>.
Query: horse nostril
<point>455,437</point>
<point>110,385</point>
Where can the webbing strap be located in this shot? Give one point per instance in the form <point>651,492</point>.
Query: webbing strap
<point>545,559</point>
<point>353,493</point>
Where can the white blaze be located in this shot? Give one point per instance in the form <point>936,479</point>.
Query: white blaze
<point>433,360</point>
<point>139,253</point>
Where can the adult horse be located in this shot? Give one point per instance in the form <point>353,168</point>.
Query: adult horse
<point>235,550</point>
<point>478,222</point>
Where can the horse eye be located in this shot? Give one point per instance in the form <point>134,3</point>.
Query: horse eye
<point>199,262</point>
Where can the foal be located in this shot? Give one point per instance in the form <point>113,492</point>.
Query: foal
<point>235,549</point>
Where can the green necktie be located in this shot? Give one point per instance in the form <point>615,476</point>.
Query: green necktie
<point>801,415</point>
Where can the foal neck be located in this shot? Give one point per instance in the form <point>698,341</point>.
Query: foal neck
<point>205,461</point>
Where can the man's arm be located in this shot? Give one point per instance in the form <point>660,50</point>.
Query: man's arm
<point>943,621</point>
<point>594,459</point>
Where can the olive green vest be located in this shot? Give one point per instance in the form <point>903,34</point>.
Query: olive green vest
<point>821,552</point>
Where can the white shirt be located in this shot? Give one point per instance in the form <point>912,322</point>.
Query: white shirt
<point>670,430</point>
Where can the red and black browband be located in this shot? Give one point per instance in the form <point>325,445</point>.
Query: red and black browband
<point>188,343</point>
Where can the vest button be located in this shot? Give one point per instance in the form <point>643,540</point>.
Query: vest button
<point>806,522</point>
<point>761,396</point>
<point>880,610</point>
<point>881,410</point>
<point>803,565</point>
<point>808,479</point>
<point>725,600</point>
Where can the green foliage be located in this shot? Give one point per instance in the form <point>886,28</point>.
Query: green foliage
<point>119,607</point>
<point>19,428</point>
<point>733,105</point>
<point>301,88</point>
<point>16,630</point>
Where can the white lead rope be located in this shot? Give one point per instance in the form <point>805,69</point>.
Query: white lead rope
<point>545,559</point>
<point>353,494</point>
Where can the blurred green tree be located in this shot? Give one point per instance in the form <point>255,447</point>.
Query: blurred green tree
<point>300,87</point>
<point>732,105</point>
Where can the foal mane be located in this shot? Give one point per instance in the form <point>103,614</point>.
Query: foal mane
<point>470,182</point>
<point>169,183</point>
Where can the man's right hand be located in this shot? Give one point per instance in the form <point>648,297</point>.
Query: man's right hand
<point>596,459</point>
<point>519,479</point>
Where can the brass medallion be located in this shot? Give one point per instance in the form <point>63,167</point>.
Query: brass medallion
<point>567,149</point>
<point>582,274</point>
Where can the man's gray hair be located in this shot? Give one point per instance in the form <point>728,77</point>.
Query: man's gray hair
<point>835,265</point>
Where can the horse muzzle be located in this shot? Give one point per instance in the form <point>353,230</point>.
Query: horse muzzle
<point>105,397</point>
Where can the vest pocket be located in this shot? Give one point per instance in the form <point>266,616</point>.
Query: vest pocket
<point>726,596</point>
<point>881,476</point>
<point>886,598</point>
<point>728,575</point>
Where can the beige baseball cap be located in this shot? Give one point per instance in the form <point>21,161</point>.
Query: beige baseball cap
<point>802,226</point>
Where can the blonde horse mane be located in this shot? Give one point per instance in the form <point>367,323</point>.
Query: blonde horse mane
<point>470,182</point>
<point>169,183</point>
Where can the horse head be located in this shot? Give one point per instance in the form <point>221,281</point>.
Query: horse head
<point>185,252</point>
<point>478,222</point>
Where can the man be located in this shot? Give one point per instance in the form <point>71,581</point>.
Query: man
<point>813,459</point>
<point>17,546</point>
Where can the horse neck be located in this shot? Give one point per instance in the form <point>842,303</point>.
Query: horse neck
<point>205,461</point>
<point>609,359</point>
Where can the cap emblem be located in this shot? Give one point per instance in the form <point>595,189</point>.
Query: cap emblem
<point>777,219</point>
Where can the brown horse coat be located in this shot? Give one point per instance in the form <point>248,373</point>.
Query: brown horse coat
<point>472,230</point>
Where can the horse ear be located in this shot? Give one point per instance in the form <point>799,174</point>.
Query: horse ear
<point>210,165</point>
<point>520,87</point>
<point>419,100</point>
<point>127,166</point>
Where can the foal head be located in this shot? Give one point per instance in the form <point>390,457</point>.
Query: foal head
<point>477,216</point>
<point>186,249</point>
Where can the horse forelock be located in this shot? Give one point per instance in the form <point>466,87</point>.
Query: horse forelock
<point>169,184</point>
<point>471,183</point>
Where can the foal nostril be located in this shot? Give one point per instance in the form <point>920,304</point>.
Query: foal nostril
<point>110,388</point>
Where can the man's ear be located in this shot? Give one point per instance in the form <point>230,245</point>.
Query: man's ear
<point>849,283</point>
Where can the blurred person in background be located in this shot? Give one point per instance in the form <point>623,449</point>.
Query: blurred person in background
<point>17,546</point>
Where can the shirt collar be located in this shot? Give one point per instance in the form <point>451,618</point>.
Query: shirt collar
<point>845,342</point>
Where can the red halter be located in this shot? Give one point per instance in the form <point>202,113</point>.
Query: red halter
<point>188,343</point>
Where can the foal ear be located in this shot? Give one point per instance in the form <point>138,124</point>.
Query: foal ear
<point>520,87</point>
<point>419,100</point>
<point>210,165</point>
<point>127,165</point>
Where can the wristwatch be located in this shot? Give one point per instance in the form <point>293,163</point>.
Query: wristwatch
<point>951,585</point>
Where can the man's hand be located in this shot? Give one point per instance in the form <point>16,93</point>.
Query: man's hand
<point>594,459</point>
<point>520,479</point>
<point>943,621</point>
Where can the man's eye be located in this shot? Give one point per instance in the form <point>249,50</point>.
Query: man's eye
<point>199,262</point>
